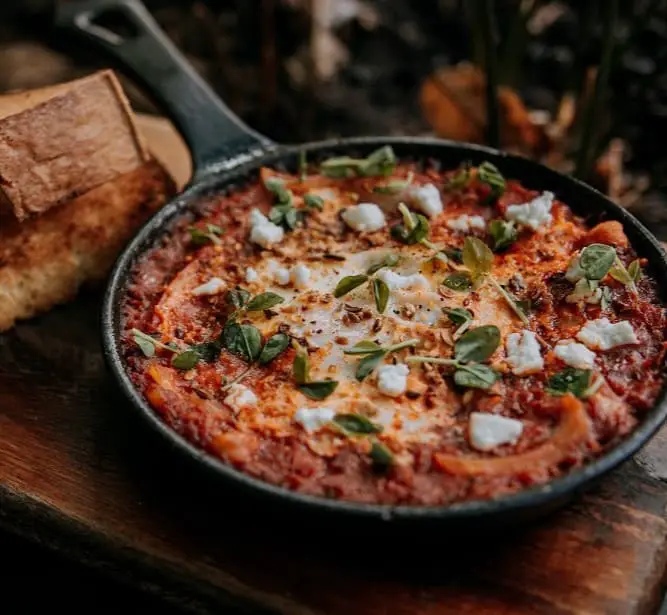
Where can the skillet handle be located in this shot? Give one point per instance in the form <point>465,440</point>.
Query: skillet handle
<point>216,137</point>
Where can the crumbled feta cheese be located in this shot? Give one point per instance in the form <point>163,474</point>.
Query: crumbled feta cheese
<point>301,276</point>
<point>281,276</point>
<point>240,396</point>
<point>535,213</point>
<point>523,353</point>
<point>263,232</point>
<point>364,217</point>
<point>257,217</point>
<point>313,419</point>
<point>396,281</point>
<point>426,199</point>
<point>585,290</point>
<point>574,271</point>
<point>490,430</point>
<point>212,287</point>
<point>392,379</point>
<point>466,223</point>
<point>251,275</point>
<point>603,335</point>
<point>575,355</point>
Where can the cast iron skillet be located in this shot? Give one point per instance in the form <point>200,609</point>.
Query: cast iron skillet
<point>226,152</point>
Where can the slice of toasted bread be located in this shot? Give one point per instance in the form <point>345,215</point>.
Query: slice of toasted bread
<point>44,260</point>
<point>61,141</point>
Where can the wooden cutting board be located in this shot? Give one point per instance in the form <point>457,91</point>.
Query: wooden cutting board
<point>79,474</point>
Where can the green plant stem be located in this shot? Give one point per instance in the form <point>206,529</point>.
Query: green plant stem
<point>238,378</point>
<point>406,344</point>
<point>436,360</point>
<point>515,308</point>
<point>593,109</point>
<point>153,341</point>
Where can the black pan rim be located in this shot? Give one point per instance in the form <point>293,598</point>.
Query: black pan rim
<point>216,176</point>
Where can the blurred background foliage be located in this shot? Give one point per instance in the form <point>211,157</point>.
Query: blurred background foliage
<point>301,70</point>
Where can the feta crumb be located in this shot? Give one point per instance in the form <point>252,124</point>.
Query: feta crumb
<point>313,419</point>
<point>251,275</point>
<point>263,232</point>
<point>257,217</point>
<point>281,276</point>
<point>523,353</point>
<point>490,430</point>
<point>426,199</point>
<point>240,396</point>
<point>574,271</point>
<point>393,379</point>
<point>466,223</point>
<point>364,217</point>
<point>212,287</point>
<point>301,276</point>
<point>535,213</point>
<point>574,355</point>
<point>603,335</point>
<point>396,281</point>
<point>585,290</point>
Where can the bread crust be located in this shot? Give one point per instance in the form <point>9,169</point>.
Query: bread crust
<point>59,142</point>
<point>46,259</point>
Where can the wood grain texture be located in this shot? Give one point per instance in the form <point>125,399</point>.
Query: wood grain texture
<point>80,474</point>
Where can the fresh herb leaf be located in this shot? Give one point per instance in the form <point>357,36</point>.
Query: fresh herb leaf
<point>503,233</point>
<point>596,259</point>
<point>477,257</point>
<point>185,360</point>
<point>570,380</point>
<point>364,347</point>
<point>477,344</point>
<point>460,281</point>
<point>244,341</point>
<point>356,424</point>
<point>605,300</point>
<point>210,234</point>
<point>207,351</point>
<point>413,229</point>
<point>301,366</point>
<point>460,179</point>
<point>145,342</point>
<point>380,162</point>
<point>313,201</point>
<point>348,284</point>
<point>237,298</point>
<point>381,456</point>
<point>635,270</point>
<point>148,344</point>
<point>395,186</point>
<point>489,174</point>
<point>318,390</point>
<point>388,261</point>
<point>475,376</point>
<point>458,316</point>
<point>274,346</point>
<point>276,187</point>
<point>454,254</point>
<point>380,294</point>
<point>263,301</point>
<point>286,216</point>
<point>368,364</point>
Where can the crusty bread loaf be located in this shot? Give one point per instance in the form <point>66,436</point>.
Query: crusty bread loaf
<point>44,260</point>
<point>60,141</point>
